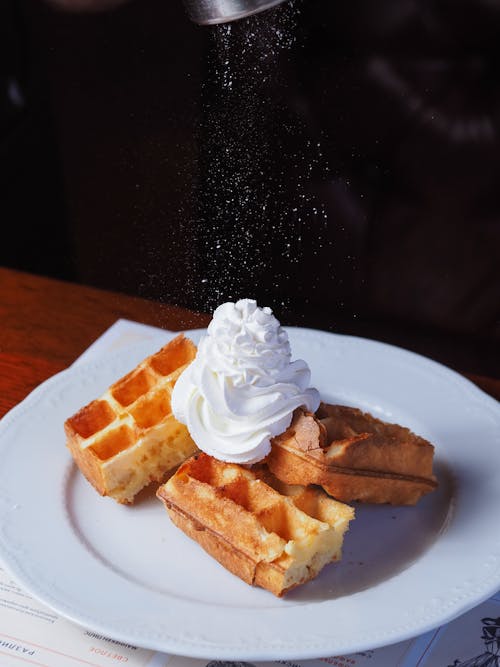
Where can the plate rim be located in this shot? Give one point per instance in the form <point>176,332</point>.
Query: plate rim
<point>215,652</point>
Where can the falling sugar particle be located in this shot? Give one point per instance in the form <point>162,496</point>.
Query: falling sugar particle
<point>256,163</point>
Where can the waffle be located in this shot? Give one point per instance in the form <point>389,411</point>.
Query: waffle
<point>128,438</point>
<point>266,532</point>
<point>354,456</point>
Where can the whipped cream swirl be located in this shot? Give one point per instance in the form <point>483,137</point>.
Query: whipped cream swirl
<point>241,389</point>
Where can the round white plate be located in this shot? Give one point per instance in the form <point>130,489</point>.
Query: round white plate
<point>128,573</point>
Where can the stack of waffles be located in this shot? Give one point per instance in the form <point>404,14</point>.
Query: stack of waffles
<point>274,524</point>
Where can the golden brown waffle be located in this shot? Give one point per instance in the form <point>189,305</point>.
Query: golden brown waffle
<point>267,533</point>
<point>129,437</point>
<point>354,456</point>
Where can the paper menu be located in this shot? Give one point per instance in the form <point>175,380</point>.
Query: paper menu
<point>32,634</point>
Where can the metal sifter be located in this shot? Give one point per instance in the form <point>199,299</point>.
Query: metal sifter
<point>208,12</point>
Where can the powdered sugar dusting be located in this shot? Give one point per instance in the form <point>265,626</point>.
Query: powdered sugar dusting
<point>257,215</point>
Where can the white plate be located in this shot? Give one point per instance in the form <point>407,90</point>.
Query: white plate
<point>128,573</point>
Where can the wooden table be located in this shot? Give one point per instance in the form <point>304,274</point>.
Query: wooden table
<point>46,324</point>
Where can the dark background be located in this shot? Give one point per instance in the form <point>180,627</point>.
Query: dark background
<point>104,163</point>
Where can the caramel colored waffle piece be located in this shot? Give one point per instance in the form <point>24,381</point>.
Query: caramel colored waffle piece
<point>354,456</point>
<point>267,533</point>
<point>128,438</point>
